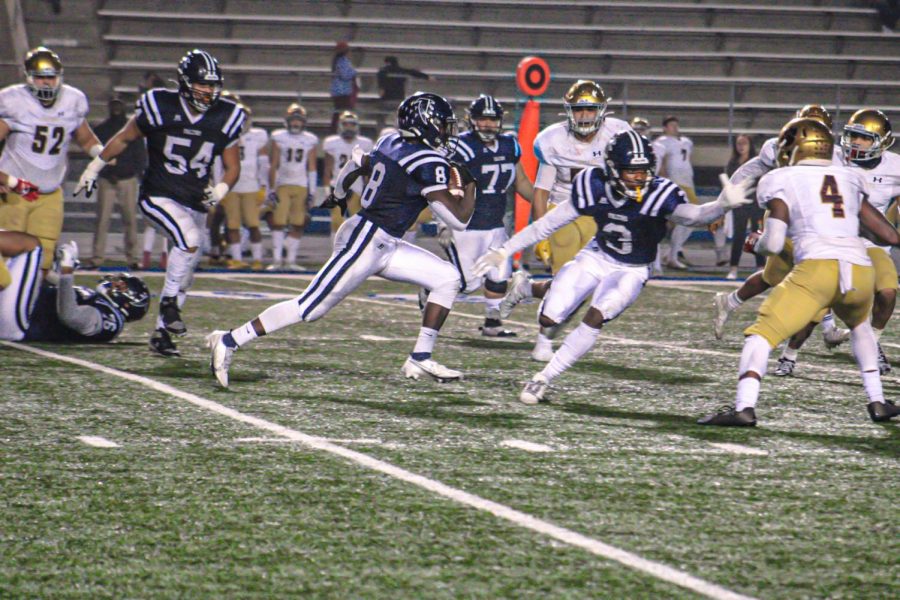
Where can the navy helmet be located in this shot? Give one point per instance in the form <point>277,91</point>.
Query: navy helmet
<point>485,107</point>
<point>128,292</point>
<point>199,68</point>
<point>632,151</point>
<point>428,118</point>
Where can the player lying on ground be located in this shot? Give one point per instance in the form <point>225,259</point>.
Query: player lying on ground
<point>820,206</point>
<point>631,208</point>
<point>407,172</point>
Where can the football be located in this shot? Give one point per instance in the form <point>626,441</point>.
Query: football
<point>455,184</point>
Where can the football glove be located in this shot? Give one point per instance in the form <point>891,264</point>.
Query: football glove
<point>733,194</point>
<point>542,251</point>
<point>67,255</point>
<point>445,236</point>
<point>213,194</point>
<point>88,181</point>
<point>23,187</point>
<point>332,201</point>
<point>494,258</point>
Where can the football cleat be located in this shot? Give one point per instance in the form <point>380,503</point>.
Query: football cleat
<point>497,332</point>
<point>161,343</point>
<point>727,416</point>
<point>884,367</point>
<point>256,266</point>
<point>414,369</point>
<point>785,367</point>
<point>236,265</point>
<point>835,337</point>
<point>67,255</point>
<point>294,267</point>
<point>171,316</point>
<point>519,289</point>
<point>534,390</point>
<point>220,356</point>
<point>674,263</point>
<point>722,314</point>
<point>880,412</point>
<point>275,266</point>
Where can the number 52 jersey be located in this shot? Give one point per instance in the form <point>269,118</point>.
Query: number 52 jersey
<point>38,141</point>
<point>181,145</point>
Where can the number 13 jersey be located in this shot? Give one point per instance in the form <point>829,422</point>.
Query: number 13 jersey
<point>38,141</point>
<point>294,149</point>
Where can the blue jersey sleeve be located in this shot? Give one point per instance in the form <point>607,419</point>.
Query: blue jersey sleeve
<point>588,189</point>
<point>429,169</point>
<point>147,113</point>
<point>662,197</point>
<point>234,125</point>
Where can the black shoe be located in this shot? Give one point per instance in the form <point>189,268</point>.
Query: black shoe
<point>884,367</point>
<point>161,343</point>
<point>171,316</point>
<point>497,331</point>
<point>729,417</point>
<point>882,411</point>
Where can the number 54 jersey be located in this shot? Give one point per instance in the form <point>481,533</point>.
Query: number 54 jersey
<point>181,145</point>
<point>38,141</point>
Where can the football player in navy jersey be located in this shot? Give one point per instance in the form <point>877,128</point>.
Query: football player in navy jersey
<point>630,207</point>
<point>407,171</point>
<point>69,313</point>
<point>492,158</point>
<point>186,130</point>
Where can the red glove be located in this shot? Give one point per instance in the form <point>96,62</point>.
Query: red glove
<point>750,242</point>
<point>24,188</point>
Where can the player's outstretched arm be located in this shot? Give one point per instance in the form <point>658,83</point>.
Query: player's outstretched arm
<point>86,320</point>
<point>114,147</point>
<point>88,140</point>
<point>879,227</point>
<point>524,187</point>
<point>732,196</point>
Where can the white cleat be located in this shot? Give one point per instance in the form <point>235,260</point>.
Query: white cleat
<point>220,358</point>
<point>519,289</point>
<point>542,352</point>
<point>414,369</point>
<point>275,266</point>
<point>674,263</point>
<point>534,390</point>
<point>835,337</point>
<point>294,267</point>
<point>722,314</point>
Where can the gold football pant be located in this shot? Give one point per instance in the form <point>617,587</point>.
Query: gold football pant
<point>42,218</point>
<point>885,271</point>
<point>353,207</point>
<point>568,241</point>
<point>809,289</point>
<point>241,208</point>
<point>291,208</point>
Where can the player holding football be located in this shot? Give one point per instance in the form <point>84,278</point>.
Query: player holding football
<point>407,171</point>
<point>186,130</point>
<point>820,206</point>
<point>631,208</point>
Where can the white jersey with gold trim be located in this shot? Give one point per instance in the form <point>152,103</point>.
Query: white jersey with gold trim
<point>824,201</point>
<point>339,149</point>
<point>883,182</point>
<point>294,149</point>
<point>250,143</point>
<point>673,159</point>
<point>561,156</point>
<point>38,141</point>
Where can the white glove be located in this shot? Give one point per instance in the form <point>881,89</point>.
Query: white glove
<point>444,236</point>
<point>67,255</point>
<point>88,181</point>
<point>733,194</point>
<point>495,258</point>
<point>213,194</point>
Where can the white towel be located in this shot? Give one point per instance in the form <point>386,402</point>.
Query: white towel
<point>845,276</point>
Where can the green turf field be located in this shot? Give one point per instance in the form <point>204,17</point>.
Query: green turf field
<point>199,502</point>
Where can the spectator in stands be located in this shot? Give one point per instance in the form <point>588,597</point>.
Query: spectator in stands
<point>391,79</point>
<point>888,14</point>
<point>151,80</point>
<point>118,184</point>
<point>742,150</point>
<point>343,82</point>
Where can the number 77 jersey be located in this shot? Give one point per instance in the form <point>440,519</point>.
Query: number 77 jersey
<point>181,145</point>
<point>823,202</point>
<point>494,168</point>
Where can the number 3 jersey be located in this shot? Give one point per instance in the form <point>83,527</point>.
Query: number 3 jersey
<point>824,201</point>
<point>38,141</point>
<point>627,230</point>
<point>46,325</point>
<point>402,173</point>
<point>494,168</point>
<point>181,145</point>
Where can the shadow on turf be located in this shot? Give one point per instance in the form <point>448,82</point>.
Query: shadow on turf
<point>641,374</point>
<point>686,426</point>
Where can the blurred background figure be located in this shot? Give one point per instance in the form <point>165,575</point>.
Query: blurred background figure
<point>641,125</point>
<point>742,150</point>
<point>391,80</point>
<point>344,87</point>
<point>118,185</point>
<point>149,81</point>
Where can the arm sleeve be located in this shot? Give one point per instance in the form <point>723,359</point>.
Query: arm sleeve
<point>696,214</point>
<point>753,169</point>
<point>445,216</point>
<point>86,320</point>
<point>772,239</point>
<point>560,216</point>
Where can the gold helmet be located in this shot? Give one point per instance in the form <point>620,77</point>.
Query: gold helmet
<point>585,94</point>
<point>804,138</point>
<point>295,117</point>
<point>817,112</point>
<point>870,124</point>
<point>43,62</point>
<point>641,125</point>
<point>348,125</point>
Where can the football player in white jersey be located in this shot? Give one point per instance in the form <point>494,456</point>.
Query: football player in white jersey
<point>292,176</point>
<point>242,202</point>
<point>38,118</point>
<point>337,150</point>
<point>820,206</point>
<point>563,150</point>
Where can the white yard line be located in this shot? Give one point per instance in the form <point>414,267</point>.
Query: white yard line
<point>739,449</point>
<point>378,338</point>
<point>96,441</point>
<point>263,440</point>
<point>526,446</point>
<point>567,536</point>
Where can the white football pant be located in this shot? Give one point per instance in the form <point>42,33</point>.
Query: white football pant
<point>468,247</point>
<point>17,300</point>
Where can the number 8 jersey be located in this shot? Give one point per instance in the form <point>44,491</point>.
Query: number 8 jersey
<point>38,141</point>
<point>181,145</point>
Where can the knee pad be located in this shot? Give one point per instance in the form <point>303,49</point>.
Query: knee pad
<point>497,287</point>
<point>444,293</point>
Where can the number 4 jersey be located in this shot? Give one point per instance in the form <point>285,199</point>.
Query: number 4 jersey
<point>38,140</point>
<point>181,145</point>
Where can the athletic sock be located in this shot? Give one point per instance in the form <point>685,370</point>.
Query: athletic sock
<point>179,264</point>
<point>235,251</point>
<point>754,358</point>
<point>872,383</point>
<point>277,245</point>
<point>877,333</point>
<point>576,345</point>
<point>747,393</point>
<point>256,250</point>
<point>240,335</point>
<point>424,343</point>
<point>492,312</point>
<point>293,245</point>
<point>734,301</point>
<point>790,353</point>
<point>828,322</point>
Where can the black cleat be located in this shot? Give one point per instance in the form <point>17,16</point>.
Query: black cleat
<point>171,316</point>
<point>727,416</point>
<point>161,343</point>
<point>882,411</point>
<point>497,332</point>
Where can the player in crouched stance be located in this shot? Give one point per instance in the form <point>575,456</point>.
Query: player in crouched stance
<point>820,206</point>
<point>630,207</point>
<point>407,172</point>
